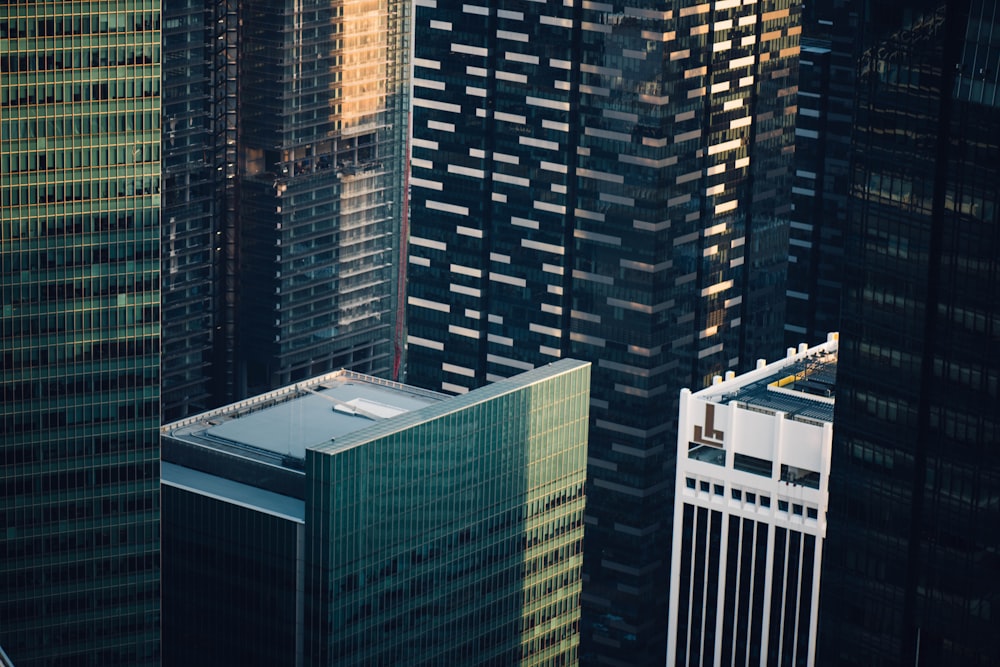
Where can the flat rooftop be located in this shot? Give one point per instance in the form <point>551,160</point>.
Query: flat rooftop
<point>285,422</point>
<point>802,385</point>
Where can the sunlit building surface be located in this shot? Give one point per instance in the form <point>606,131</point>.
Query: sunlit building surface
<point>285,139</point>
<point>910,570</point>
<point>347,520</point>
<point>753,464</point>
<point>606,182</point>
<point>79,344</point>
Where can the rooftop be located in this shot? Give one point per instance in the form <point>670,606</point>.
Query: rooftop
<point>454,404</point>
<point>802,385</point>
<point>284,423</point>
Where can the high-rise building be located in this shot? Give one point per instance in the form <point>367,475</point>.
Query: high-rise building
<point>606,182</point>
<point>349,520</point>
<point>285,129</point>
<point>822,157</point>
<point>79,348</point>
<point>910,570</point>
<point>198,234</point>
<point>753,464</point>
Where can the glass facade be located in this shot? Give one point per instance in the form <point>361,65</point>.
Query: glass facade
<point>822,157</point>
<point>285,144</point>
<point>323,103</point>
<point>909,575</point>
<point>197,238</point>
<point>453,534</point>
<point>603,181</point>
<point>230,583</point>
<point>79,345</point>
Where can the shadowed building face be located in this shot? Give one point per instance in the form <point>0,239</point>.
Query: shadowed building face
<point>914,519</point>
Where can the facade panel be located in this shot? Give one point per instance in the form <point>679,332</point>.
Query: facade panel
<point>455,538</point>
<point>229,576</point>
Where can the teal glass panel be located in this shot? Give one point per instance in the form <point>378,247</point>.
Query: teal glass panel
<point>453,534</point>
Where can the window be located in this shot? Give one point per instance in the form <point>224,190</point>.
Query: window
<point>800,476</point>
<point>752,464</point>
<point>709,454</point>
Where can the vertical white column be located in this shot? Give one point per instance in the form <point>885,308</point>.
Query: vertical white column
<point>777,450</point>
<point>690,600</point>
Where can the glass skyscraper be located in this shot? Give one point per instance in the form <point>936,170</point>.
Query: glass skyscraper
<point>285,128</point>
<point>608,182</point>
<point>198,239</point>
<point>822,176</point>
<point>910,575</point>
<point>79,347</point>
<point>452,535</point>
<point>322,109</point>
<point>347,520</point>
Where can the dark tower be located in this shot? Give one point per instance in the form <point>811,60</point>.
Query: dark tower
<point>606,182</point>
<point>911,575</point>
<point>823,128</point>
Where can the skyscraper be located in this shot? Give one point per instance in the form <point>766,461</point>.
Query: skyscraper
<point>822,157</point>
<point>354,521</point>
<point>285,138</point>
<point>606,182</point>
<point>199,249</point>
<point>753,464</point>
<point>79,350</point>
<point>911,570</point>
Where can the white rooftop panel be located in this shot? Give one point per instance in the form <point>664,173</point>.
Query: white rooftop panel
<point>378,409</point>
